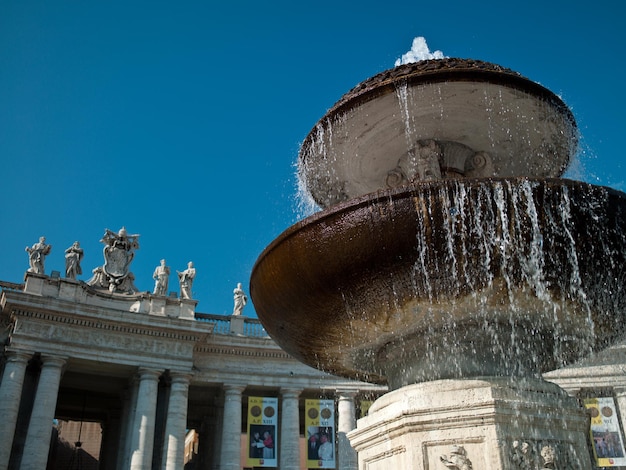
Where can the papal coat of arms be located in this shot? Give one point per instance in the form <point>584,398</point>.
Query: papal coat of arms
<point>118,253</point>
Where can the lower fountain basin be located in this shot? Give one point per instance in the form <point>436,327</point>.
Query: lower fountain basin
<point>449,279</point>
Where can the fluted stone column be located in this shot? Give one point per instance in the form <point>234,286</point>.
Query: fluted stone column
<point>231,428</point>
<point>346,422</point>
<point>289,457</point>
<point>37,443</point>
<point>142,438</point>
<point>176,423</point>
<point>10,394</point>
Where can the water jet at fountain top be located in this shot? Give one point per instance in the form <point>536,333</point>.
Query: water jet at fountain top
<point>419,51</point>
<point>448,247</point>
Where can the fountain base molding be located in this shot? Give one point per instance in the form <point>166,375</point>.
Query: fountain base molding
<point>491,423</point>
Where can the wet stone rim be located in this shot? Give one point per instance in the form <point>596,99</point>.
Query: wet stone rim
<point>434,71</point>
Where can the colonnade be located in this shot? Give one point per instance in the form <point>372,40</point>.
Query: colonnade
<point>132,438</point>
<point>289,455</point>
<point>137,431</point>
<point>37,442</point>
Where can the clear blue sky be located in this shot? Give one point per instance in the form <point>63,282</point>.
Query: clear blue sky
<point>182,120</point>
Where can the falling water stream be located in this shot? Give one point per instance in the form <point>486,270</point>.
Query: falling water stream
<point>500,250</point>
<point>487,266</point>
<point>495,262</point>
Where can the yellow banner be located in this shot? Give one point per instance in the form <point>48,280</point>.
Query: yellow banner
<point>262,431</point>
<point>320,429</point>
<point>608,445</point>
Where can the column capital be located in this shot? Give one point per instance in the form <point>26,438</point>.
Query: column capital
<point>287,392</point>
<point>346,394</point>
<point>53,361</point>
<point>181,377</point>
<point>233,389</point>
<point>12,355</point>
<point>145,373</point>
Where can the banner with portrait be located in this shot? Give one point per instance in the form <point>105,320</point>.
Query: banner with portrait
<point>608,444</point>
<point>320,433</point>
<point>262,431</point>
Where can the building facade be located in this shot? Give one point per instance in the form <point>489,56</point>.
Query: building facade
<point>148,370</point>
<point>168,388</point>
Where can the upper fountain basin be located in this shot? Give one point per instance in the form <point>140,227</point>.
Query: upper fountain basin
<point>447,279</point>
<point>484,120</point>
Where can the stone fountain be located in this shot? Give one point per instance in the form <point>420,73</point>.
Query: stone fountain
<point>451,262</point>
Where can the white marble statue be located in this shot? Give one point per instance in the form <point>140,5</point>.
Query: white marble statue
<point>185,279</point>
<point>161,278</point>
<point>37,256</point>
<point>240,300</point>
<point>73,257</point>
<point>118,253</point>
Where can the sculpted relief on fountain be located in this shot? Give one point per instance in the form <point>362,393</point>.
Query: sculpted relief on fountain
<point>433,160</point>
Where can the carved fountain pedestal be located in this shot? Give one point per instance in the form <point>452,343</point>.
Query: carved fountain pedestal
<point>452,263</point>
<point>494,423</point>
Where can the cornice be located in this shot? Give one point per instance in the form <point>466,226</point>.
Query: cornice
<point>19,305</point>
<point>125,327</point>
<point>241,351</point>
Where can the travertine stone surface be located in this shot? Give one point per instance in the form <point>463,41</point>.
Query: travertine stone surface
<point>10,394</point>
<point>346,422</point>
<point>415,426</point>
<point>142,438</point>
<point>231,429</point>
<point>289,430</point>
<point>40,425</point>
<point>176,423</point>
